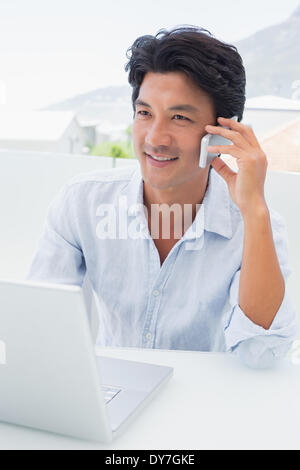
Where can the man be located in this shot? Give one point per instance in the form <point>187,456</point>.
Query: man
<point>220,284</point>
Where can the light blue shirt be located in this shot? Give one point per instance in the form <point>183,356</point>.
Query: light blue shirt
<point>188,303</point>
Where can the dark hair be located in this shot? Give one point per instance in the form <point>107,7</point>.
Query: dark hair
<point>216,67</point>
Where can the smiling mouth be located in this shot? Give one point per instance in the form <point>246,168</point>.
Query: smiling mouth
<point>161,159</point>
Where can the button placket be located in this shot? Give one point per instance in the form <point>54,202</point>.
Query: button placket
<point>155,298</point>
<point>150,326</point>
<point>153,274</point>
<point>163,272</point>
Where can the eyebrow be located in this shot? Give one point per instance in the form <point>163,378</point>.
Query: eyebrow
<point>177,107</point>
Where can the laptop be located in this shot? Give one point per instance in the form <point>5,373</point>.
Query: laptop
<point>50,376</point>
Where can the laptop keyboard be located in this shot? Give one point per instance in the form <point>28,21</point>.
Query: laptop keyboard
<point>110,392</point>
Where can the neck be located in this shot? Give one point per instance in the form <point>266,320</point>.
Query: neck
<point>191,192</point>
<point>186,197</point>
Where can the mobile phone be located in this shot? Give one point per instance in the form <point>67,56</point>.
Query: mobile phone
<point>212,139</point>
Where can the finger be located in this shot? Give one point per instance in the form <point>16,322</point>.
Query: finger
<point>245,130</point>
<point>235,137</point>
<point>223,169</point>
<point>236,152</point>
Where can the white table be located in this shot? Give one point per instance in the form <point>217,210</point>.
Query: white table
<point>211,402</point>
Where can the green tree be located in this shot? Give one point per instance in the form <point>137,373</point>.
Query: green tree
<point>117,152</point>
<point>105,149</point>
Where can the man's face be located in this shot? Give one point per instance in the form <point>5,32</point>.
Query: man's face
<point>160,131</point>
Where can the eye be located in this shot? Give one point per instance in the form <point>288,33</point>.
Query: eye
<point>139,112</point>
<point>187,119</point>
<point>176,115</point>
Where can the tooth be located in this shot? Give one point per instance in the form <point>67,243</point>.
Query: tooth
<point>161,159</point>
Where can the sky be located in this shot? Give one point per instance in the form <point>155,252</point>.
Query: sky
<point>51,50</point>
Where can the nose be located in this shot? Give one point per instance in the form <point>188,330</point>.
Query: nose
<point>158,135</point>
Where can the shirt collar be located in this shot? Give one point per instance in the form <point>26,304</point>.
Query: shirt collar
<point>134,192</point>
<point>214,213</point>
<point>216,201</point>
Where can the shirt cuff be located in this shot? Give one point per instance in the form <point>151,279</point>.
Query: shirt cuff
<point>257,346</point>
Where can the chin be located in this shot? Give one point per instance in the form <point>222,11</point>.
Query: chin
<point>156,182</point>
<point>161,183</point>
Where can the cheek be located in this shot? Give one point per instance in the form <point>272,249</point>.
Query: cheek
<point>190,142</point>
<point>193,153</point>
<point>133,130</point>
<point>136,137</point>
<point>138,134</point>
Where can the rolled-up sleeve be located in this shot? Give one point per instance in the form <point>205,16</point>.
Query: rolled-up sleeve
<point>59,258</point>
<point>258,347</point>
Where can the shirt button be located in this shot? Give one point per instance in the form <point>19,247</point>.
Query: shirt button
<point>156,293</point>
<point>148,335</point>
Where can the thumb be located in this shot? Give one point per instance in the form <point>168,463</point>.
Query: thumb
<point>222,169</point>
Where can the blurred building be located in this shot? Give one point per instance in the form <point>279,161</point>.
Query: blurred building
<point>97,131</point>
<point>41,131</point>
<point>88,127</point>
<point>276,123</point>
<point>106,131</point>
